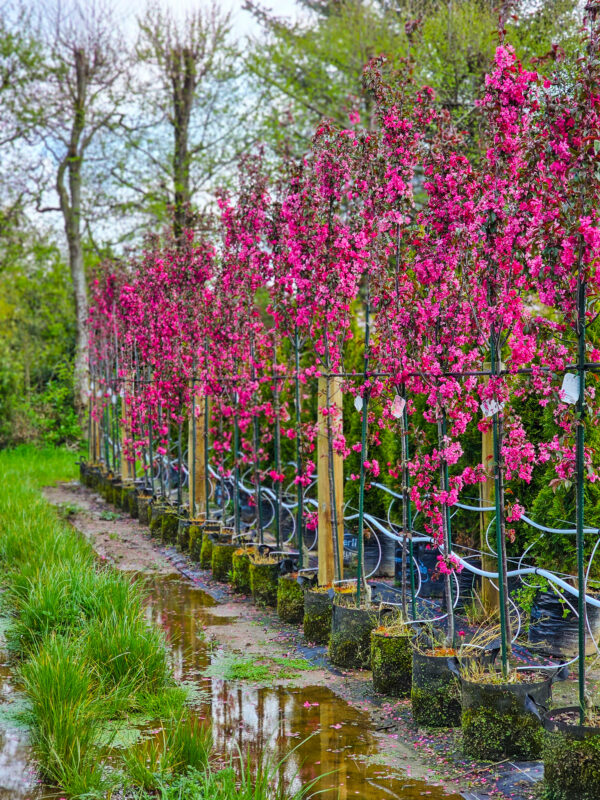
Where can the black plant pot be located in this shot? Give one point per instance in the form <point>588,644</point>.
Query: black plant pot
<point>435,692</point>
<point>571,754</point>
<point>499,719</point>
<point>556,633</point>
<point>391,663</point>
<point>350,641</point>
<point>318,609</point>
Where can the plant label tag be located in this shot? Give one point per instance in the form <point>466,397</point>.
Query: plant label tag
<point>569,391</point>
<point>358,402</point>
<point>397,408</point>
<point>491,407</point>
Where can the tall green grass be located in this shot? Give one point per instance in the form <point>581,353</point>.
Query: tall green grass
<point>88,658</point>
<point>85,647</point>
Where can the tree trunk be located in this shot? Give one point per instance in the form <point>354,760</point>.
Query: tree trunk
<point>70,206</point>
<point>183,80</point>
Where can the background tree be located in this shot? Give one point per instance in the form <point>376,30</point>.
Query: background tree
<point>73,97</point>
<point>313,67</point>
<point>185,132</point>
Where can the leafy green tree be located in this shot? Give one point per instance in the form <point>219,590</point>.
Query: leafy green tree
<point>312,68</point>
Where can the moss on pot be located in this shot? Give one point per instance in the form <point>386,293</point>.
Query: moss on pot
<point>350,640</point>
<point>290,599</point>
<point>391,663</point>
<point>144,502</point>
<point>435,694</point>
<point>168,527</point>
<point>206,551</point>
<point>264,575</point>
<point>158,510</point>
<point>496,724</point>
<point>133,503</point>
<point>195,541</point>
<point>117,488</point>
<point>221,562</point>
<point>318,609</point>
<point>571,756</point>
<point>183,534</point>
<point>240,568</point>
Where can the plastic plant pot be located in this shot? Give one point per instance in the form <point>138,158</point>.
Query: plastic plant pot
<point>318,610</point>
<point>571,754</point>
<point>222,560</point>
<point>183,534</point>
<point>290,599</point>
<point>350,641</point>
<point>157,512</point>
<point>391,663</point>
<point>168,527</point>
<point>143,503</point>
<point>496,722</point>
<point>435,693</point>
<point>264,576</point>
<point>554,627</point>
<point>195,540</point>
<point>117,488</point>
<point>206,550</point>
<point>240,568</point>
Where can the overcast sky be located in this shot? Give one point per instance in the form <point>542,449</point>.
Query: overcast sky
<point>243,22</point>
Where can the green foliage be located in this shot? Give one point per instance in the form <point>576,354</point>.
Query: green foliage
<point>571,767</point>
<point>37,344</point>
<point>314,67</point>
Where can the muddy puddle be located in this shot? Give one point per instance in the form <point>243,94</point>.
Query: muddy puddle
<point>331,738</point>
<point>328,737</point>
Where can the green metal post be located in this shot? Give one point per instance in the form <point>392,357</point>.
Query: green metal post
<point>206,460</point>
<point>579,466</point>
<point>300,495</point>
<point>192,476</point>
<point>236,468</point>
<point>406,480</point>
<point>363,457</point>
<point>499,544</point>
<point>447,509</point>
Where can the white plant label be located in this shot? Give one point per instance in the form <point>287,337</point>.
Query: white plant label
<point>491,407</point>
<point>397,408</point>
<point>570,388</point>
<point>358,402</point>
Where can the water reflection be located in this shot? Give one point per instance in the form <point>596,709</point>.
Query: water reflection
<point>332,739</point>
<point>17,771</point>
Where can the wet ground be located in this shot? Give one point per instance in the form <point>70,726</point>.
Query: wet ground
<point>360,744</point>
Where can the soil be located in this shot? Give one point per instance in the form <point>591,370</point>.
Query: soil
<point>259,634</point>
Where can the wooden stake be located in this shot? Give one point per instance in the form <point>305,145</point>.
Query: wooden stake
<point>489,595</point>
<point>324,470</point>
<point>196,461</point>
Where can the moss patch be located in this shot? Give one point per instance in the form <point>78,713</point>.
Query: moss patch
<point>183,535</point>
<point>290,600</point>
<point>240,567</point>
<point>391,662</point>
<point>263,582</point>
<point>133,504</point>
<point>222,555</point>
<point>350,640</point>
<point>169,527</point>
<point>492,735</point>
<point>156,514</point>
<point>571,767</point>
<point>143,504</point>
<point>318,609</point>
<point>206,551</point>
<point>195,541</point>
<point>435,694</point>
